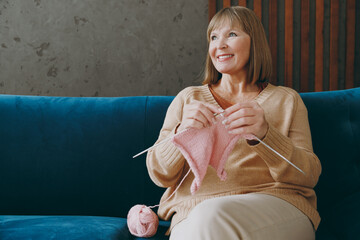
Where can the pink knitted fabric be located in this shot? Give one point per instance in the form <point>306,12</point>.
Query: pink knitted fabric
<point>204,147</point>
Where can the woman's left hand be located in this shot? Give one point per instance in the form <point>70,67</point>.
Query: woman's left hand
<point>246,118</point>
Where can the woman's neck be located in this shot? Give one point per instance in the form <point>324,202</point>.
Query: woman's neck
<point>236,84</point>
<point>235,89</point>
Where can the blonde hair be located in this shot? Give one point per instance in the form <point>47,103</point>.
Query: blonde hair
<point>260,65</point>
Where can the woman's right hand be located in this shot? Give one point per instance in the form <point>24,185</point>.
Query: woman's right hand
<point>198,115</point>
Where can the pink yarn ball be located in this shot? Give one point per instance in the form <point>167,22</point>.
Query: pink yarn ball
<point>142,221</point>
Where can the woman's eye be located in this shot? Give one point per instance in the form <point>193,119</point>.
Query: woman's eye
<point>232,34</point>
<point>213,38</point>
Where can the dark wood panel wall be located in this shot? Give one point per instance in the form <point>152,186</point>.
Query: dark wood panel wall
<point>315,44</point>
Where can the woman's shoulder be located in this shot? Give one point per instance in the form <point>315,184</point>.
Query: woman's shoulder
<point>285,96</point>
<point>191,91</point>
<point>283,92</point>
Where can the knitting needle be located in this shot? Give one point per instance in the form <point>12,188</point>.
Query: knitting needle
<point>166,139</point>
<point>159,143</point>
<point>215,114</point>
<point>148,149</point>
<point>279,155</point>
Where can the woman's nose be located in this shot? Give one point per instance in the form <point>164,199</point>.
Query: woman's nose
<point>222,43</point>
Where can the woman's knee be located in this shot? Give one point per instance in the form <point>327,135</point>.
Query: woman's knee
<point>209,210</point>
<point>213,217</point>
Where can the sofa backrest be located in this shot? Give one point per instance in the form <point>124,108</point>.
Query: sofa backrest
<point>63,155</point>
<point>335,127</point>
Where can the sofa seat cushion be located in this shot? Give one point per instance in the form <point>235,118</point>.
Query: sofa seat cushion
<point>69,228</point>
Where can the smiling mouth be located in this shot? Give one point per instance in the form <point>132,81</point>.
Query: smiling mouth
<point>224,57</point>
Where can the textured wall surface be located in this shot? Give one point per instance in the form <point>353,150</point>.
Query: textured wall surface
<point>101,47</point>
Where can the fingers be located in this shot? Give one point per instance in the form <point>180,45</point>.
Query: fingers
<point>194,123</point>
<point>242,118</point>
<point>208,110</point>
<point>201,112</point>
<point>212,108</point>
<point>245,106</point>
<point>240,122</point>
<point>246,118</point>
<point>241,114</point>
<point>198,115</point>
<point>205,111</point>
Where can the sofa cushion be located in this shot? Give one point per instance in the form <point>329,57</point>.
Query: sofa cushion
<point>69,228</point>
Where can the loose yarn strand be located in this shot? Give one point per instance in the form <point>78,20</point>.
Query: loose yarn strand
<point>182,180</point>
<point>142,221</point>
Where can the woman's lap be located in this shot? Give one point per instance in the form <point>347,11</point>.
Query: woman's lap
<point>248,216</point>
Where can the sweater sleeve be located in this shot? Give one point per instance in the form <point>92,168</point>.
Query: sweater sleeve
<point>295,147</point>
<point>165,162</point>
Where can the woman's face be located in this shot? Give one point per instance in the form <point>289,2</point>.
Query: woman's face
<point>229,49</point>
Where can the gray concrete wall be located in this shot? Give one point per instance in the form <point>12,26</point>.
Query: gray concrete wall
<point>101,47</point>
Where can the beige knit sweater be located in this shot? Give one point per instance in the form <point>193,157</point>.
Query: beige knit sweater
<point>250,169</point>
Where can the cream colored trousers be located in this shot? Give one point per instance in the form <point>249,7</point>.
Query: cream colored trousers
<point>248,216</point>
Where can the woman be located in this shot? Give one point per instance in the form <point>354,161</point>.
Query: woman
<point>263,196</point>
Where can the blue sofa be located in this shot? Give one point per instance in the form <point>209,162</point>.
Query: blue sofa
<point>66,167</point>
